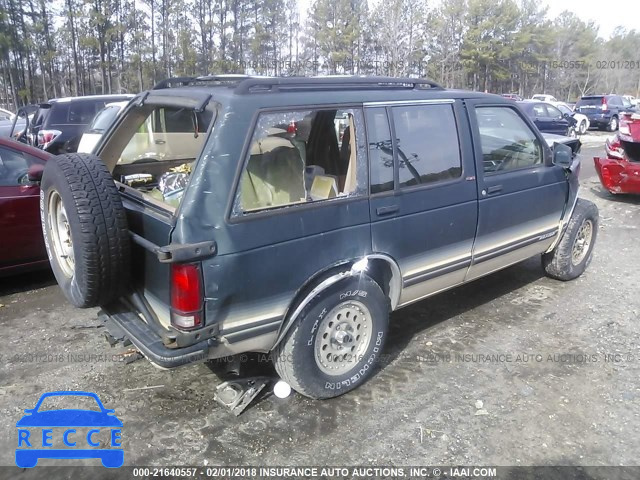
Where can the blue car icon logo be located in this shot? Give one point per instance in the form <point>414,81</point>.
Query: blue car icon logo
<point>69,433</point>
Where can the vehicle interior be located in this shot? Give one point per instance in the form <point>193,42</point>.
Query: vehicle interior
<point>505,144</point>
<point>157,157</point>
<point>299,157</point>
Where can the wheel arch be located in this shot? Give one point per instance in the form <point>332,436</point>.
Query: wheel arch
<point>383,269</point>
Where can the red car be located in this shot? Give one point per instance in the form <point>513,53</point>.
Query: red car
<point>619,172</point>
<point>21,243</point>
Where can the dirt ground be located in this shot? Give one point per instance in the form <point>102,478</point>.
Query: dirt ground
<point>513,369</point>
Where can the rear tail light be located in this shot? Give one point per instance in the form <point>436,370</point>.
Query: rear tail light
<point>623,126</point>
<point>606,175</point>
<point>604,105</point>
<point>186,296</point>
<point>45,137</point>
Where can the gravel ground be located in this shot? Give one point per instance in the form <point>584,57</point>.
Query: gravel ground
<point>513,369</point>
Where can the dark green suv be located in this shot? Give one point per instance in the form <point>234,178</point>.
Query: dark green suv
<point>224,215</point>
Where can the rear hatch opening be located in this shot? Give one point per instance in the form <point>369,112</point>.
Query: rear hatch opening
<point>158,159</point>
<point>151,151</point>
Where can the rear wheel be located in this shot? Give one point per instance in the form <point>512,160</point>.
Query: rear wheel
<point>613,124</point>
<point>85,229</point>
<point>337,339</point>
<point>573,254</point>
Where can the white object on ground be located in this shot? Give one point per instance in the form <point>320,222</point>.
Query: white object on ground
<point>282,389</point>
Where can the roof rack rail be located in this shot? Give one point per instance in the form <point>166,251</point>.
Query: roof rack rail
<point>246,84</point>
<point>206,80</point>
<point>273,84</point>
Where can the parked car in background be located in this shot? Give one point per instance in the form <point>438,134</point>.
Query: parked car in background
<point>544,98</point>
<point>619,171</point>
<point>604,111</point>
<point>6,114</point>
<point>21,243</point>
<point>548,118</point>
<point>632,100</point>
<point>103,120</point>
<point>59,123</point>
<point>512,96</point>
<point>582,121</point>
<point>6,120</point>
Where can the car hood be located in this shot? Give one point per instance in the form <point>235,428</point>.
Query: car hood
<point>69,418</point>
<point>574,143</point>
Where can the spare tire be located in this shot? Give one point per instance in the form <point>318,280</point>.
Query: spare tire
<point>85,229</point>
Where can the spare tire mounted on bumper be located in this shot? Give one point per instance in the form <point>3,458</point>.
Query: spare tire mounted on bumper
<point>85,229</point>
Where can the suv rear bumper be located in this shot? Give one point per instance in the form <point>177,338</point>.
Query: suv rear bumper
<point>599,119</point>
<point>129,326</point>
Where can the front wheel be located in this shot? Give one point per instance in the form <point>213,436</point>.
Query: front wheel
<point>336,341</point>
<point>573,254</point>
<point>583,127</point>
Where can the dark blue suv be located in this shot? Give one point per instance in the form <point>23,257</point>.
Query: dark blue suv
<point>604,111</point>
<point>292,215</point>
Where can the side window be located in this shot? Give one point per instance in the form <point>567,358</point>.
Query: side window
<point>507,141</point>
<point>554,112</point>
<point>14,166</point>
<point>427,142</point>
<point>168,135</point>
<point>179,121</point>
<point>539,110</point>
<point>380,150</point>
<point>301,157</point>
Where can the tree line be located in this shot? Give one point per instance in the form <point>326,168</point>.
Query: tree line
<point>83,47</point>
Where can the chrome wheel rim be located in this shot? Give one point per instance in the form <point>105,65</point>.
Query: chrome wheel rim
<point>61,234</point>
<point>344,335</point>
<point>582,242</point>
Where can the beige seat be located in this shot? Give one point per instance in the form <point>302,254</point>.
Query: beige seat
<point>274,176</point>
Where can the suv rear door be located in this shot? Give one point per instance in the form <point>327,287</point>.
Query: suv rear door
<point>423,194</point>
<point>521,194</point>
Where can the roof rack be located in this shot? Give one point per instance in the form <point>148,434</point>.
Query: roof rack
<point>246,84</point>
<point>275,84</point>
<point>206,80</point>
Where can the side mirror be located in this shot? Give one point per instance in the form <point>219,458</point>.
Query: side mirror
<point>34,174</point>
<point>562,155</point>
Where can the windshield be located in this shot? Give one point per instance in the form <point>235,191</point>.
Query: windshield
<point>564,109</point>
<point>69,402</point>
<point>103,119</point>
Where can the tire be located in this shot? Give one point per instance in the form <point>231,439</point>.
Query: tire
<point>583,127</point>
<point>613,124</point>
<point>568,261</point>
<point>85,229</point>
<point>352,305</point>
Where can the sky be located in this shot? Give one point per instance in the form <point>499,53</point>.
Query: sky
<point>606,14</point>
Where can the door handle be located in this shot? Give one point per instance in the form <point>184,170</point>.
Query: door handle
<point>494,189</point>
<point>160,142</point>
<point>387,210</point>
